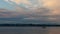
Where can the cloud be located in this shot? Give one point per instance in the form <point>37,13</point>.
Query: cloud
<point>50,11</point>
<point>25,2</point>
<point>40,15</point>
<point>4,13</point>
<point>18,1</point>
<point>44,14</point>
<point>51,3</point>
<point>8,1</point>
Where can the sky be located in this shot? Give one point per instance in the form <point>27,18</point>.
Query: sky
<point>11,4</point>
<point>45,10</point>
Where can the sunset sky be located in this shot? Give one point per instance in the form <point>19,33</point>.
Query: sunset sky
<point>31,9</point>
<point>30,4</point>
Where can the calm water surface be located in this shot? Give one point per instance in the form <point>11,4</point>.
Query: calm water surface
<point>29,30</point>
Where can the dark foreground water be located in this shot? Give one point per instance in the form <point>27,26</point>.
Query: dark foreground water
<point>29,30</point>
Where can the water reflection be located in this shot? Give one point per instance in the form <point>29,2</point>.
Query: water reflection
<point>29,30</point>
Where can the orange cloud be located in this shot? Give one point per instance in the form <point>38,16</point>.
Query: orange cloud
<point>56,12</point>
<point>16,1</point>
<point>51,3</point>
<point>54,5</point>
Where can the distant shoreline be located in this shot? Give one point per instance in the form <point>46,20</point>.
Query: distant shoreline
<point>35,25</point>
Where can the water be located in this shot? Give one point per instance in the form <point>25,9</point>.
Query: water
<point>29,30</point>
<point>23,30</point>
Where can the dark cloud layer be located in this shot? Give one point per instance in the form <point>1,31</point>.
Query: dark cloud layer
<point>40,15</point>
